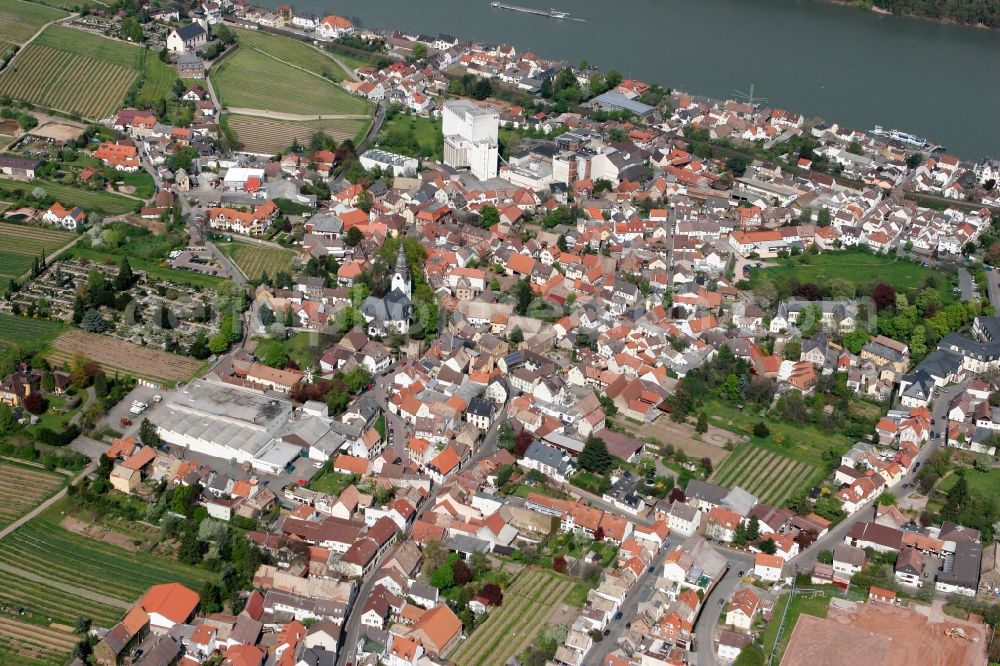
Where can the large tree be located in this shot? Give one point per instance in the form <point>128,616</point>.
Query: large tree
<point>595,456</point>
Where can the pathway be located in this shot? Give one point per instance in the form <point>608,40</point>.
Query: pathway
<point>72,590</point>
<point>75,419</point>
<point>20,49</point>
<point>277,115</point>
<point>46,504</point>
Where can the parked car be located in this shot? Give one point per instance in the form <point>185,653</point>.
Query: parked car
<point>126,421</point>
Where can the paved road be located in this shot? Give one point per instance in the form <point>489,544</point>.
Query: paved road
<point>966,285</point>
<point>993,286</point>
<point>641,592</point>
<point>711,610</point>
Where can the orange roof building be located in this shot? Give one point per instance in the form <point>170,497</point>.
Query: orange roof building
<point>169,604</point>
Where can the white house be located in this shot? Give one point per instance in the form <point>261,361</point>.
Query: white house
<point>683,518</point>
<point>187,38</point>
<point>768,567</point>
<point>334,27</point>
<point>69,219</point>
<point>471,138</point>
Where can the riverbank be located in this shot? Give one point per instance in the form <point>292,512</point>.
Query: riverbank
<point>885,11</point>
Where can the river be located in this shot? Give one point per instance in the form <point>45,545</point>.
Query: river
<point>845,64</point>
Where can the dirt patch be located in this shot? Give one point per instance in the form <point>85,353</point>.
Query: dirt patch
<point>682,435</point>
<point>97,532</point>
<point>9,127</point>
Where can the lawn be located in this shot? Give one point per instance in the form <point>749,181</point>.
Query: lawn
<point>816,605</point>
<point>801,442</point>
<point>89,200</point>
<point>527,604</point>
<point>74,71</point>
<point>986,484</point>
<point>251,79</point>
<point>305,348</point>
<point>413,136</point>
<point>291,51</point>
<point>268,136</point>
<point>20,20</point>
<point>256,260</point>
<point>860,268</point>
<point>332,483</point>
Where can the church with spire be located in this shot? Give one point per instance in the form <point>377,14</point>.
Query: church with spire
<point>393,312</point>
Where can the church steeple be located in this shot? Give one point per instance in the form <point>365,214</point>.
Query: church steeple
<point>401,278</point>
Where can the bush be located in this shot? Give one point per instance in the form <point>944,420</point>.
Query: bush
<point>761,430</point>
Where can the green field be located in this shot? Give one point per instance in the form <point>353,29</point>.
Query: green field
<point>26,329</point>
<point>21,245</point>
<point>860,268</point>
<point>73,71</point>
<point>255,260</point>
<point>768,475</point>
<point>270,137</point>
<point>252,79</point>
<point>20,20</point>
<point>816,605</point>
<point>510,628</point>
<point>292,51</point>
<point>47,550</point>
<point>89,200</point>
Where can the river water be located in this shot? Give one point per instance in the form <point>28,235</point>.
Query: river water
<point>845,64</point>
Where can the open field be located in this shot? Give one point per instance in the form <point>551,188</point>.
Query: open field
<point>251,79</point>
<point>414,136</point>
<point>73,71</point>
<point>21,245</point>
<point>90,201</point>
<point>769,476</point>
<point>22,488</point>
<point>527,603</point>
<point>20,20</point>
<point>860,268</point>
<point>269,136</point>
<point>291,51</point>
<point>710,444</point>
<point>122,357</point>
<point>255,260</point>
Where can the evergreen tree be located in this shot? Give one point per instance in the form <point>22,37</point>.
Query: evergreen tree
<point>702,425</point>
<point>957,502</point>
<point>125,277</point>
<point>100,384</point>
<point>289,317</point>
<point>266,316</point>
<point>753,529</point>
<point>595,456</point>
